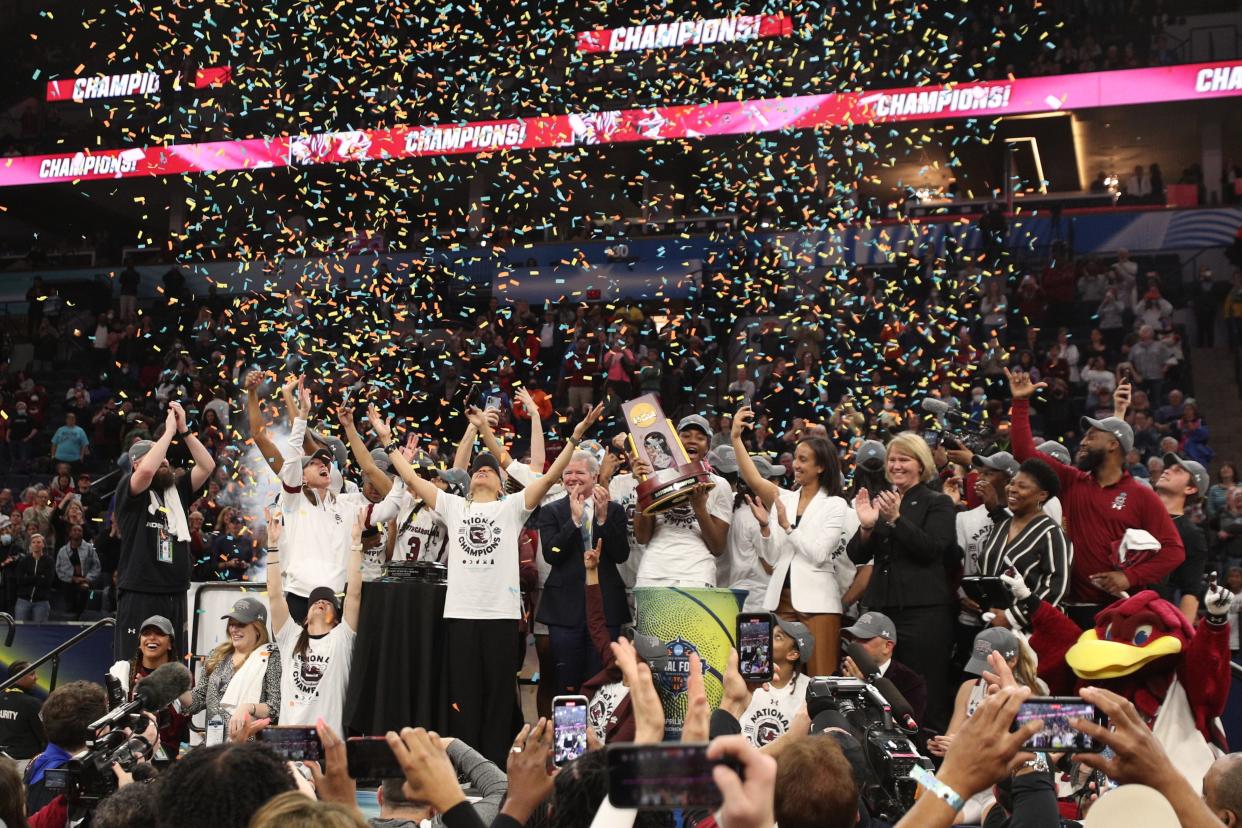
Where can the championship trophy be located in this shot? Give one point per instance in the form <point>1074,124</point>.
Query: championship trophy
<point>654,439</point>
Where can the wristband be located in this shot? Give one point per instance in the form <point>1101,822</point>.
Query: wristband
<point>392,445</point>
<point>574,441</point>
<point>936,788</point>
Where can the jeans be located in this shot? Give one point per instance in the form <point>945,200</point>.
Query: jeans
<point>36,611</point>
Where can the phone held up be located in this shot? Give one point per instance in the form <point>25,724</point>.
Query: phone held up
<point>569,728</point>
<point>293,743</point>
<point>1057,734</point>
<point>664,776</point>
<point>754,646</point>
<point>370,759</point>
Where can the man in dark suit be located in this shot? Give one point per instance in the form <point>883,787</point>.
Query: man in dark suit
<point>876,633</point>
<point>584,518</point>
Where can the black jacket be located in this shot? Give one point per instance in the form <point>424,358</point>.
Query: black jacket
<point>564,593</point>
<point>914,556</point>
<point>36,578</point>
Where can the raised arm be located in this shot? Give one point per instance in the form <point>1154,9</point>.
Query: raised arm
<point>482,422</point>
<point>258,426</point>
<point>277,606</point>
<point>537,456</point>
<point>204,463</point>
<point>140,479</point>
<point>766,489</point>
<point>381,481</point>
<point>353,572</point>
<point>422,489</point>
<point>465,446</point>
<point>537,490</point>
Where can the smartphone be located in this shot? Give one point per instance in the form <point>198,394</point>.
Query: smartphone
<point>663,777</point>
<point>569,728</point>
<point>1057,735</point>
<point>293,743</point>
<point>932,438</point>
<point>754,646</point>
<point>371,759</point>
<point>492,403</point>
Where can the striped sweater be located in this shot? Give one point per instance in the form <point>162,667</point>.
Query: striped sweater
<point>1041,554</point>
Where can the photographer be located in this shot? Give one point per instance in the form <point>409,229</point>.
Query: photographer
<point>66,714</point>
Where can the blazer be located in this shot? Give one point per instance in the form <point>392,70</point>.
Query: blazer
<point>563,602</point>
<point>914,556</point>
<point>812,554</point>
<point>912,685</point>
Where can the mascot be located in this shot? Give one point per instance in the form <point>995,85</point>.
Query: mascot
<point>1144,649</point>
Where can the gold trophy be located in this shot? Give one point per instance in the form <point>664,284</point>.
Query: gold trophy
<point>653,438</point>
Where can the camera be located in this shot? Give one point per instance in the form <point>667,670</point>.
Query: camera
<point>87,778</point>
<point>859,708</point>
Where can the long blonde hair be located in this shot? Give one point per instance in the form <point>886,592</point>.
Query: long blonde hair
<point>293,809</point>
<point>1025,671</point>
<point>225,650</point>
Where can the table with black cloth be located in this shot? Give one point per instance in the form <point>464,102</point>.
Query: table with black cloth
<point>399,676</point>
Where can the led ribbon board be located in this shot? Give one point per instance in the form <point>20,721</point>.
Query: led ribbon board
<point>662,123</point>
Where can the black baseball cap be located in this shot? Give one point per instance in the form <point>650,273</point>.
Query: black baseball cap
<point>485,460</point>
<point>324,593</point>
<point>320,454</point>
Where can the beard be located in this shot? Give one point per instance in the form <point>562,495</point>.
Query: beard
<point>163,479</point>
<point>1090,460</point>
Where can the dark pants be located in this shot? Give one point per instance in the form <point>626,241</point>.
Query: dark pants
<point>925,644</point>
<point>1082,614</point>
<point>482,668</point>
<point>132,608</point>
<point>574,655</point>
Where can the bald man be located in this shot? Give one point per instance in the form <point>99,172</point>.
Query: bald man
<point>1222,789</point>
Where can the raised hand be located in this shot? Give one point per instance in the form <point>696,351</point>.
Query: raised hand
<point>890,505</point>
<point>782,517</point>
<point>170,421</point>
<point>379,425</point>
<point>304,400</point>
<point>253,380</point>
<point>600,495</point>
<point>476,418</point>
<point>590,558</point>
<point>758,509</point>
<point>868,511</point>
<point>1020,385</point>
<point>528,402</point>
<point>588,421</point>
<point>275,525</point>
<point>577,504</point>
<point>360,523</point>
<point>742,420</point>
<point>1217,600</point>
<point>530,783</point>
<point>648,711</point>
<point>345,415</point>
<point>429,775</point>
<point>697,724</point>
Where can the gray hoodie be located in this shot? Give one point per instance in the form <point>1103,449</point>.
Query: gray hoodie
<point>483,777</point>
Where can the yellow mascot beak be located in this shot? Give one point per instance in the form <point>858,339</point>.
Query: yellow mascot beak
<point>1092,658</point>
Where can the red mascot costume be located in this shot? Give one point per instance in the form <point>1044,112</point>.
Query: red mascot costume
<point>1143,648</point>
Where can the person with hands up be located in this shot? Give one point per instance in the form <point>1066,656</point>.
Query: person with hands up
<point>811,575</point>
<point>483,604</point>
<point>909,534</point>
<point>315,657</point>
<point>153,574</point>
<point>1104,501</point>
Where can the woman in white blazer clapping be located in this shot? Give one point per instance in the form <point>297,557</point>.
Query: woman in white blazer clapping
<point>804,533</point>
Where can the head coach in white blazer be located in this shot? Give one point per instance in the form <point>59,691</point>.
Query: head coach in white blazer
<point>803,536</point>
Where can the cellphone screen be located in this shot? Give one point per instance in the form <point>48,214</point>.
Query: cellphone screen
<point>294,744</point>
<point>1057,734</point>
<point>371,758</point>
<point>661,777</point>
<point>754,647</point>
<point>492,402</point>
<point>569,726</point>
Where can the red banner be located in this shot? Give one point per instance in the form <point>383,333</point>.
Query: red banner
<point>968,100</point>
<point>129,85</point>
<point>685,33</point>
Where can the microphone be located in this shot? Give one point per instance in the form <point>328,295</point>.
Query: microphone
<point>116,693</point>
<point>938,408</point>
<point>155,692</point>
<point>902,710</point>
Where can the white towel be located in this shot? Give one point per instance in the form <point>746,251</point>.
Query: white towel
<point>246,686</point>
<point>174,514</point>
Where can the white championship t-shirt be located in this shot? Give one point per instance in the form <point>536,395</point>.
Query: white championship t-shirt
<point>603,705</point>
<point>483,556</point>
<point>771,712</point>
<point>623,488</point>
<point>314,687</point>
<point>421,535</point>
<point>677,554</point>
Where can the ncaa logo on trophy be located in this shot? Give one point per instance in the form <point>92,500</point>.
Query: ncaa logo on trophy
<point>653,438</point>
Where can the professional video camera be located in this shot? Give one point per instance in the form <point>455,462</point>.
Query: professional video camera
<point>960,430</point>
<point>118,739</point>
<point>881,722</point>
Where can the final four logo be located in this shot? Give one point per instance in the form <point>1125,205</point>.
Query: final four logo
<point>673,671</point>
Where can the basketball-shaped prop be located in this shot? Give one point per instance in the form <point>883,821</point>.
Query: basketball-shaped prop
<point>688,621</point>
